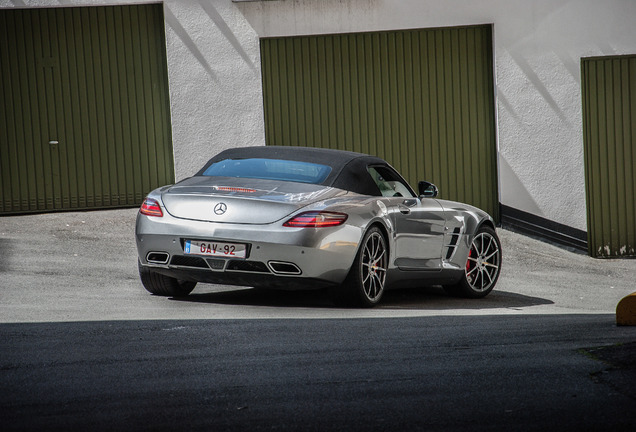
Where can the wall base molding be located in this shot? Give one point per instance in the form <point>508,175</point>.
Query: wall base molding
<point>543,229</point>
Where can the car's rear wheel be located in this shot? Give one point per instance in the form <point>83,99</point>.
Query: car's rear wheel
<point>483,266</point>
<point>364,286</point>
<point>163,285</point>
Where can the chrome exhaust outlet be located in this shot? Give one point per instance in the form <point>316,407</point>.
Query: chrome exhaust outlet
<point>284,268</point>
<point>157,257</point>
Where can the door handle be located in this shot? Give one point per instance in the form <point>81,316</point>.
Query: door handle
<point>404,209</point>
<point>409,202</point>
<point>53,142</point>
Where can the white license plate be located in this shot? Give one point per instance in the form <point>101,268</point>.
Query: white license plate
<point>218,249</point>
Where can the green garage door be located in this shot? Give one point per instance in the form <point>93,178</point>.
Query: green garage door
<point>609,132</point>
<point>422,99</point>
<point>84,107</point>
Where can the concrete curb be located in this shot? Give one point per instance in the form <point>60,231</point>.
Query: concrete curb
<point>626,311</point>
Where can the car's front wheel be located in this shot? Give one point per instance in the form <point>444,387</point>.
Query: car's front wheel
<point>163,285</point>
<point>483,266</point>
<point>364,285</point>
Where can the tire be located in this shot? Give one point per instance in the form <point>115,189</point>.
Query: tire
<point>162,285</point>
<point>364,285</point>
<point>483,266</point>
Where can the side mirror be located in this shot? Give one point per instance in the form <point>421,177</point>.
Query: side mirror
<point>427,190</point>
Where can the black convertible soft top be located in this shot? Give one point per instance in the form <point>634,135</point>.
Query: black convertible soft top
<point>348,169</point>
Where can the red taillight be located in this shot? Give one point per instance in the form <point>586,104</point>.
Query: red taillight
<point>316,219</point>
<point>151,207</point>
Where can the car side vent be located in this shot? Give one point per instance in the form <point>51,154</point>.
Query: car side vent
<point>185,261</point>
<point>247,266</point>
<point>453,243</point>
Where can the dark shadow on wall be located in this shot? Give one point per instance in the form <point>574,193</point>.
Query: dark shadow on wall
<point>218,20</point>
<point>182,33</point>
<point>223,27</point>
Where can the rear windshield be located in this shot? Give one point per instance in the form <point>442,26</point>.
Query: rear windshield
<point>270,169</point>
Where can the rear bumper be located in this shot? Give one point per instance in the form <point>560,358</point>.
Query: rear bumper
<point>278,257</point>
<point>260,280</point>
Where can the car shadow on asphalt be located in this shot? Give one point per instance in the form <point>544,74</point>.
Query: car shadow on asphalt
<point>428,298</point>
<point>435,298</point>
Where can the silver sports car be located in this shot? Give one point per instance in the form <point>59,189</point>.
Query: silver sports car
<point>306,218</point>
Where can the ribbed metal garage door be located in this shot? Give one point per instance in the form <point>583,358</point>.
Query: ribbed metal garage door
<point>84,107</point>
<point>609,130</point>
<point>422,99</point>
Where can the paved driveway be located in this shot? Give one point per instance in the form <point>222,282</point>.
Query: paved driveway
<point>82,267</point>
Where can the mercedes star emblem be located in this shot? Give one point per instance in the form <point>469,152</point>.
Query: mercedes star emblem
<point>220,208</point>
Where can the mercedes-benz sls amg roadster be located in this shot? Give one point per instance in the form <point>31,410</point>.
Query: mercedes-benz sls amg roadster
<point>306,218</point>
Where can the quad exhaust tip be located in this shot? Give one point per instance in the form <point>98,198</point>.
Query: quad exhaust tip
<point>284,268</point>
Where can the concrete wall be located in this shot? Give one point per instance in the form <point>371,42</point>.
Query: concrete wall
<point>215,81</point>
<point>215,86</point>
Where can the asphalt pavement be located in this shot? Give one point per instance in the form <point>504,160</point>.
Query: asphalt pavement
<point>84,346</point>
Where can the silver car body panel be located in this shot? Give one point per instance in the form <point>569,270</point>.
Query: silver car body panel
<point>428,238</point>
<point>195,198</point>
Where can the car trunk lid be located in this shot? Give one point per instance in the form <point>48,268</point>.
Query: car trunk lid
<point>242,201</point>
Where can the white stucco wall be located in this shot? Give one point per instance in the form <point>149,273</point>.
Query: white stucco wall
<point>215,81</point>
<point>215,84</point>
